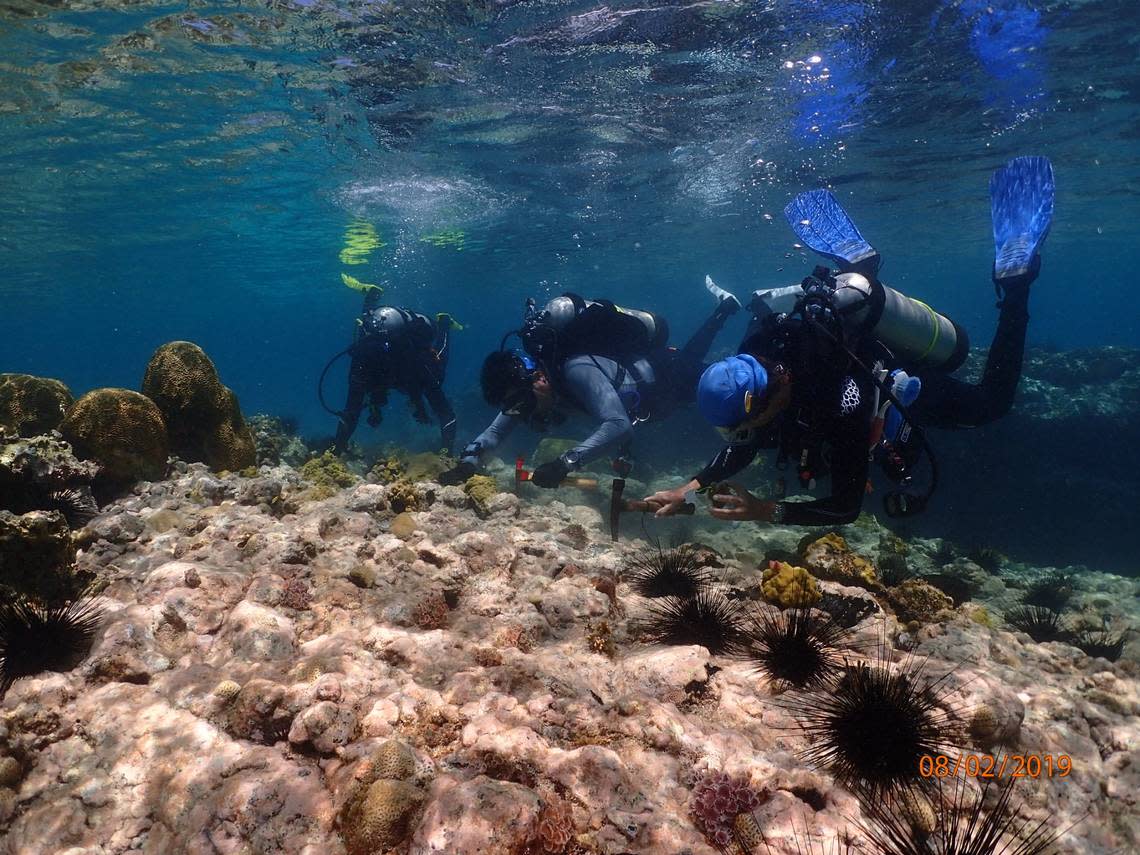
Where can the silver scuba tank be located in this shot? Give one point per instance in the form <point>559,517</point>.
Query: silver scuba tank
<point>919,336</point>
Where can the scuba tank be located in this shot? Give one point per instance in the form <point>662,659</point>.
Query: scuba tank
<point>570,325</point>
<point>916,335</point>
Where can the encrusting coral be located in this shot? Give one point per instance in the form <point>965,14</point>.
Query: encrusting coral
<point>30,405</point>
<point>916,600</point>
<point>121,430</point>
<point>788,587</point>
<point>203,420</point>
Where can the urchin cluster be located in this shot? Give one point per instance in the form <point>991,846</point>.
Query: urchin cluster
<point>673,572</point>
<point>875,724</point>
<point>34,638</point>
<point>796,648</point>
<point>718,799</point>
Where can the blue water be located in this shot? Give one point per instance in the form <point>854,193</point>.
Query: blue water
<point>188,170</point>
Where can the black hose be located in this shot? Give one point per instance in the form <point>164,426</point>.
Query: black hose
<point>321,383</point>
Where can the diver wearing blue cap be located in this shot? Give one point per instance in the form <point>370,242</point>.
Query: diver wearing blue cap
<point>854,371</point>
<point>592,357</point>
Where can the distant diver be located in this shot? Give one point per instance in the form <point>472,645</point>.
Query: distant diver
<point>394,349</point>
<point>841,370</point>
<point>610,363</point>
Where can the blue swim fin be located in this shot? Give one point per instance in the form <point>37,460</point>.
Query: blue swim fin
<point>819,220</point>
<point>1021,197</point>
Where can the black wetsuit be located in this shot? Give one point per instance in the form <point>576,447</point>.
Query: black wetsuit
<point>412,360</point>
<point>615,394</point>
<point>834,419</point>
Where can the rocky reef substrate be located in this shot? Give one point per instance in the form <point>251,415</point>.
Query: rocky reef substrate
<point>292,664</point>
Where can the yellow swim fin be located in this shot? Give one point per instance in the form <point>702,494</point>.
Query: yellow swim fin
<point>356,285</point>
<point>455,325</point>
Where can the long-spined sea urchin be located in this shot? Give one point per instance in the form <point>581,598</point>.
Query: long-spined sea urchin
<point>709,619</point>
<point>36,638</point>
<point>667,572</point>
<point>877,722</point>
<point>965,823</point>
<point>1039,623</point>
<point>796,647</point>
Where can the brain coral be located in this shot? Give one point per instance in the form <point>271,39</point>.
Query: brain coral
<point>376,818</point>
<point>30,406</point>
<point>122,430</point>
<point>202,416</point>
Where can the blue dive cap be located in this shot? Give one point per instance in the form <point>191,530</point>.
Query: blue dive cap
<point>730,390</point>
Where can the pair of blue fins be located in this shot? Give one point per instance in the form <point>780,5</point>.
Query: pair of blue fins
<point>1021,200</point>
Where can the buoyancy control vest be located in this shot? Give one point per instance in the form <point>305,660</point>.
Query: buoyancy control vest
<point>570,325</point>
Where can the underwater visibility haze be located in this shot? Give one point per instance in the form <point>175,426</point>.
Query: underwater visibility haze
<point>237,174</point>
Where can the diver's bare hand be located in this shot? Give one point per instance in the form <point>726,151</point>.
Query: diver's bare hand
<point>667,502</point>
<point>741,505</point>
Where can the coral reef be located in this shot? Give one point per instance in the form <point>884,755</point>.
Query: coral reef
<point>30,406</point>
<point>789,587</point>
<point>830,557</point>
<point>203,420</point>
<point>121,430</point>
<point>386,471</point>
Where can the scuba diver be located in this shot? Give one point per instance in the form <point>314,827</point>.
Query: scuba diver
<point>611,363</point>
<point>395,348</point>
<point>842,371</point>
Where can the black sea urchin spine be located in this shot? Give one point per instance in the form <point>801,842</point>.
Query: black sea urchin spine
<point>34,639</point>
<point>709,619</point>
<point>794,648</point>
<point>1039,623</point>
<point>673,572</point>
<point>77,506</point>
<point>876,724</point>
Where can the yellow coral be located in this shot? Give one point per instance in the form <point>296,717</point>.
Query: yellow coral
<point>327,473</point>
<point>122,430</point>
<point>789,587</point>
<point>377,817</point>
<point>30,406</point>
<point>830,557</point>
<point>203,419</point>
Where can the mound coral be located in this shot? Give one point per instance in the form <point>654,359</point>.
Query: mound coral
<point>30,405</point>
<point>121,430</point>
<point>377,817</point>
<point>203,419</point>
<point>36,556</point>
<point>394,760</point>
<point>831,558</point>
<point>788,587</point>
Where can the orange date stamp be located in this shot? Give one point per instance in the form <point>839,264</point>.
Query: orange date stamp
<point>995,766</point>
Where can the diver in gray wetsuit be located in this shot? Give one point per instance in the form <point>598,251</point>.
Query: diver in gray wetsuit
<point>615,391</point>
